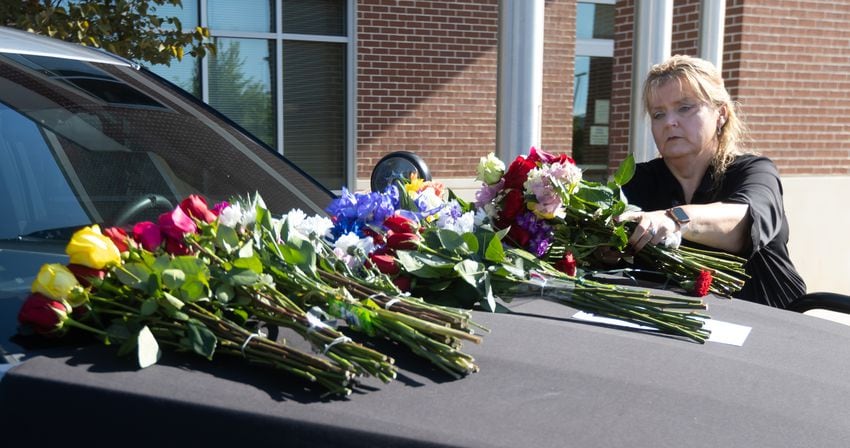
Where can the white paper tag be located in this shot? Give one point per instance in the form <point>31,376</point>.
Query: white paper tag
<point>721,332</point>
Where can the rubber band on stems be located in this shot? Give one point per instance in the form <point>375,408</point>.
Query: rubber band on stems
<point>339,340</point>
<point>247,340</point>
<point>319,320</point>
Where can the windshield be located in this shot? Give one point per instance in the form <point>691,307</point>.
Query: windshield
<point>84,143</point>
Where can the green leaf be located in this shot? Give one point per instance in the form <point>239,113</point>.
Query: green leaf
<point>117,330</point>
<point>452,242</point>
<point>471,241</point>
<point>224,293</point>
<point>599,195</point>
<point>196,277</point>
<point>495,251</point>
<point>471,271</point>
<point>149,352</point>
<point>172,301</point>
<point>171,305</point>
<point>173,279</point>
<point>251,262</point>
<point>149,306</point>
<point>241,277</point>
<point>424,265</point>
<point>202,340</point>
<point>226,239</point>
<point>134,275</point>
<point>489,302</point>
<point>625,171</point>
<point>246,251</point>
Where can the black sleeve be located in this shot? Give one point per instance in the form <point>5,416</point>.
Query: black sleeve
<point>646,189</point>
<point>755,181</point>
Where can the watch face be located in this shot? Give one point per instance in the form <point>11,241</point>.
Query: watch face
<point>679,214</point>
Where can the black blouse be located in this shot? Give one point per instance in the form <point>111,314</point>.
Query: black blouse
<point>750,180</point>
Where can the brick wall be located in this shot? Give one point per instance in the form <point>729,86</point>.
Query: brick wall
<point>621,83</point>
<point>787,62</point>
<point>559,50</point>
<point>795,83</point>
<point>426,81</point>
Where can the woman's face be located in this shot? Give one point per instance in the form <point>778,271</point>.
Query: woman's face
<point>682,125</point>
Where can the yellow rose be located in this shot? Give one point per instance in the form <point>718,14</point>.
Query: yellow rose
<point>55,281</point>
<point>91,248</point>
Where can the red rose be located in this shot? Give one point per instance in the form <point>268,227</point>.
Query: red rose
<point>537,155</point>
<point>175,224</point>
<point>519,236</point>
<point>148,235</point>
<point>84,273</point>
<point>403,282</point>
<point>517,173</point>
<point>176,248</point>
<point>377,238</point>
<point>512,205</point>
<point>702,284</point>
<point>401,224</point>
<point>43,314</point>
<point>567,265</point>
<point>118,237</point>
<point>196,207</point>
<point>402,241</point>
<point>384,263</point>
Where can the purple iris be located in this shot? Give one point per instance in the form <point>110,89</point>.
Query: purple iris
<point>541,233</point>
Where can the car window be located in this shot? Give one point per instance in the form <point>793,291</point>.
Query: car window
<point>86,143</point>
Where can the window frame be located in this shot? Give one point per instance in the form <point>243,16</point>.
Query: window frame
<point>349,149</point>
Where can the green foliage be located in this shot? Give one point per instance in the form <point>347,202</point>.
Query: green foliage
<point>128,28</point>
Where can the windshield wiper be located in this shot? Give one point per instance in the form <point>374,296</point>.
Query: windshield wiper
<point>57,234</point>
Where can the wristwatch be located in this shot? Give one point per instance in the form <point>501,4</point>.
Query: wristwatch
<point>679,216</point>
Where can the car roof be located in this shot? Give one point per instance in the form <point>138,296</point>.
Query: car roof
<point>23,42</point>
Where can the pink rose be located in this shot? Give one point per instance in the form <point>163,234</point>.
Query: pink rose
<point>196,207</point>
<point>175,224</point>
<point>118,237</point>
<point>536,155</point>
<point>148,235</point>
<point>216,210</point>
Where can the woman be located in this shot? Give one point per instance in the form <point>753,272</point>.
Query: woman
<point>705,189</point>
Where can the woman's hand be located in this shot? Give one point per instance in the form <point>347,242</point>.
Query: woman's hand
<point>723,226</point>
<point>654,228</point>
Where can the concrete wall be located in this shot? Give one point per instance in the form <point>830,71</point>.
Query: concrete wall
<point>819,218</point>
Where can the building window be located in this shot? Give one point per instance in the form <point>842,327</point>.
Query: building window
<point>283,71</point>
<point>592,86</point>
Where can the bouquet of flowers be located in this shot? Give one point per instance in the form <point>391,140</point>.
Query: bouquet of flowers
<point>440,248</point>
<point>209,281</point>
<point>555,214</point>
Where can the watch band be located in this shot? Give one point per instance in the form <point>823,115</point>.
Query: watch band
<point>680,217</point>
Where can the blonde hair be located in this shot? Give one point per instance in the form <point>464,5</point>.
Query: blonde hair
<point>703,78</point>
